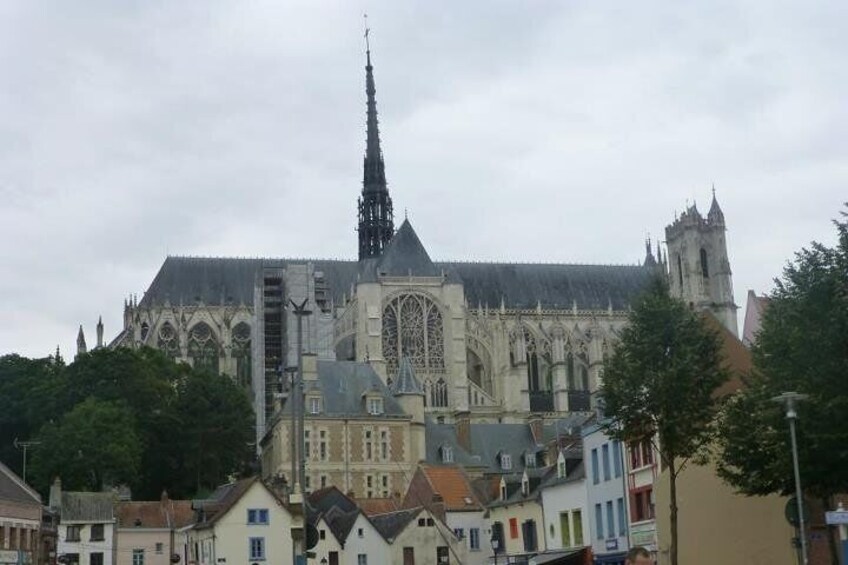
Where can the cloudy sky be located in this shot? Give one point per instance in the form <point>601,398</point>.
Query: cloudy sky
<point>526,130</point>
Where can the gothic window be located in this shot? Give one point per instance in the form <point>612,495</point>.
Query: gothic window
<point>241,353</point>
<point>705,271</point>
<point>439,394</point>
<point>202,348</point>
<point>680,270</point>
<point>168,341</point>
<point>538,364</point>
<point>577,371</point>
<point>478,370</point>
<point>145,329</point>
<point>412,326</point>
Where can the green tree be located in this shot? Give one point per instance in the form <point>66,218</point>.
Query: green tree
<point>802,346</point>
<point>659,384</point>
<point>94,445</point>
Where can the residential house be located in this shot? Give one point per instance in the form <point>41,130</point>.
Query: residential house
<point>642,470</point>
<point>243,522</point>
<point>516,515</point>
<point>20,521</point>
<point>742,530</point>
<point>346,535</point>
<point>606,494</point>
<point>147,530</point>
<point>359,433</point>
<point>446,490</point>
<point>86,531</point>
<point>565,504</point>
<point>419,537</point>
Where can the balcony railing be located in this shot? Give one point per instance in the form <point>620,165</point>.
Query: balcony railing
<point>541,401</point>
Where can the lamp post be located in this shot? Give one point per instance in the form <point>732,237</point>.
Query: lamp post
<point>300,311</point>
<point>496,543</point>
<point>790,399</point>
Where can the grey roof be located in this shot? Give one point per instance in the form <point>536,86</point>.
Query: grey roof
<point>189,280</point>
<point>569,425</point>
<point>88,506</point>
<point>437,435</point>
<point>341,522</point>
<point>487,442</point>
<point>324,499</point>
<point>406,382</point>
<point>576,472</point>
<point>342,385</point>
<point>391,524</point>
<point>405,256</point>
<point>14,489</point>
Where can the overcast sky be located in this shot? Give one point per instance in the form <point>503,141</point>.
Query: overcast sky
<point>512,131</point>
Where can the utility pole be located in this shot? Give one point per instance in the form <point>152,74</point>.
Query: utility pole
<point>790,399</point>
<point>300,311</point>
<point>24,445</point>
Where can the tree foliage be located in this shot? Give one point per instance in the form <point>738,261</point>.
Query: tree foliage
<point>164,411</point>
<point>802,346</point>
<point>659,384</point>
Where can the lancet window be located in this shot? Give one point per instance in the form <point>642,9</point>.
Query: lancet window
<point>539,376</point>
<point>412,327</point>
<point>168,342</point>
<point>241,353</point>
<point>577,371</point>
<point>203,348</point>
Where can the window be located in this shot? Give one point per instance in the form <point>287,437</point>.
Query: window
<point>498,535</point>
<point>606,460</point>
<point>705,271</point>
<point>168,342</point>
<point>138,557</point>
<point>680,270</point>
<point>421,522</point>
<point>323,445</point>
<point>307,445</point>
<point>649,498</point>
<point>322,534</point>
<point>241,353</point>
<point>360,532</point>
<point>73,558</point>
<point>307,482</point>
<point>459,533</point>
<point>635,456</point>
<point>577,522</point>
<point>257,549</point>
<point>408,556</point>
<point>431,522</point>
<point>616,458</point>
<point>474,539</point>
<point>565,532</point>
<point>529,531</point>
<point>447,454</point>
<point>369,484</point>
<point>97,532</point>
<point>439,393</point>
<point>384,445</point>
<point>160,547</point>
<point>599,522</point>
<point>610,520</point>
<point>375,406</point>
<point>73,533</point>
<point>506,461</point>
<point>412,328</point>
<point>97,558</point>
<point>315,405</point>
<point>530,459</point>
<point>369,453</point>
<point>203,349</point>
<point>257,516</point>
<point>513,528</point>
<point>647,452</point>
<point>639,513</point>
<point>442,554</point>
<point>361,559</point>
<point>323,481</point>
<point>596,472</point>
<point>622,523</point>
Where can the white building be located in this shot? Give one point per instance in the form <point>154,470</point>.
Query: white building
<point>243,522</point>
<point>86,532</point>
<point>565,505</point>
<point>606,496</point>
<point>419,537</point>
<point>346,536</point>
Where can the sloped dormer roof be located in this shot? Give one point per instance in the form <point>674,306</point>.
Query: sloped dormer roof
<point>406,382</point>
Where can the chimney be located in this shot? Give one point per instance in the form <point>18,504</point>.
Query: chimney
<point>463,430</point>
<point>55,501</point>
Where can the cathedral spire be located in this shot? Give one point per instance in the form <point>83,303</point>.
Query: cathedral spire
<point>715,215</point>
<point>376,223</point>
<point>81,347</point>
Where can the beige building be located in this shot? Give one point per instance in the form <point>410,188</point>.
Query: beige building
<point>359,435</point>
<point>20,521</point>
<point>147,531</point>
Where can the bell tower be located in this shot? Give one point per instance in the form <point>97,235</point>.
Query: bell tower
<point>698,265</point>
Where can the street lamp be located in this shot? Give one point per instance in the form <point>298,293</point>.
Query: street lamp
<point>790,399</point>
<point>496,543</point>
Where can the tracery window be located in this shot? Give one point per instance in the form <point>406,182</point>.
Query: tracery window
<point>145,329</point>
<point>241,353</point>
<point>412,327</point>
<point>539,376</point>
<point>439,394</point>
<point>577,371</point>
<point>168,342</point>
<point>202,348</point>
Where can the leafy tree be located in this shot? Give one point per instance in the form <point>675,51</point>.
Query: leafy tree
<point>659,384</point>
<point>29,397</point>
<point>216,430</point>
<point>803,347</point>
<point>94,445</point>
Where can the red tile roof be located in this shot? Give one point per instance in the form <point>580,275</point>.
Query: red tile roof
<point>452,484</point>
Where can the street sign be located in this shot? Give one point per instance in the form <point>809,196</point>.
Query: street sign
<point>791,511</point>
<point>836,517</point>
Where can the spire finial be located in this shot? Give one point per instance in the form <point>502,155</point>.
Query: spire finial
<point>367,42</point>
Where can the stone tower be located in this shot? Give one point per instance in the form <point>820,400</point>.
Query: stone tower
<point>698,266</point>
<point>376,223</point>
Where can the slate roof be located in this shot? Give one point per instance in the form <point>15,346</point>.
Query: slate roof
<point>391,524</point>
<point>14,489</point>
<point>189,280</point>
<point>403,256</point>
<point>340,522</point>
<point>342,384</point>
<point>535,479</point>
<point>405,382</point>
<point>87,507</point>
<point>487,441</point>
<point>330,497</point>
<point>577,473</point>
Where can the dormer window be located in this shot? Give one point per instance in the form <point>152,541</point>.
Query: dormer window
<point>503,489</point>
<point>505,461</point>
<point>525,485</point>
<point>446,453</point>
<point>375,406</point>
<point>314,404</point>
<point>530,460</point>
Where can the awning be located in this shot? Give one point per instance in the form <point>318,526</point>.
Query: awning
<point>610,558</point>
<point>563,557</point>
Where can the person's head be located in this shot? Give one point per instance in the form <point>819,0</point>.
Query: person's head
<point>638,556</point>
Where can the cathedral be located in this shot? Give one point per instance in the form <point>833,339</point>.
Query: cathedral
<point>492,342</point>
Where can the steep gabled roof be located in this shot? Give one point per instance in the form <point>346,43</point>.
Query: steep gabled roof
<point>154,514</point>
<point>14,489</point>
<point>225,497</point>
<point>406,256</point>
<point>453,485</point>
<point>324,499</point>
<point>391,524</point>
